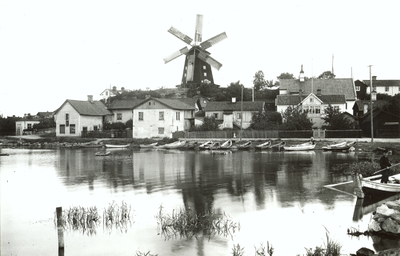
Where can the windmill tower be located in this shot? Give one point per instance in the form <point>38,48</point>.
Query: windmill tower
<point>198,62</point>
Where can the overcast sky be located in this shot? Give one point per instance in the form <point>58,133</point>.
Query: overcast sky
<point>53,50</point>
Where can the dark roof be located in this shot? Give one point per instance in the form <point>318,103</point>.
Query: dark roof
<point>87,108</point>
<point>377,111</point>
<point>394,83</point>
<point>377,103</point>
<point>171,103</point>
<point>44,114</point>
<point>189,101</point>
<point>334,86</point>
<point>293,100</point>
<point>229,106</point>
<point>125,104</point>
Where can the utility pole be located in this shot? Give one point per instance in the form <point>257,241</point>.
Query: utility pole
<point>241,115</point>
<point>370,94</point>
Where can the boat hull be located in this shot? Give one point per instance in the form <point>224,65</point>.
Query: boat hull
<point>374,188</point>
<point>116,146</point>
<point>299,147</point>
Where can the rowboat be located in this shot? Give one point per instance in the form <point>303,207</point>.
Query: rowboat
<point>175,145</point>
<point>264,145</point>
<point>215,145</point>
<point>151,145</point>
<point>92,145</point>
<point>245,145</point>
<point>191,145</point>
<point>373,187</point>
<point>300,147</point>
<point>206,145</point>
<point>226,145</point>
<point>340,146</point>
<point>103,153</point>
<point>278,145</point>
<point>117,146</point>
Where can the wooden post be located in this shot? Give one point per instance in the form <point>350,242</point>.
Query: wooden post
<point>60,231</point>
<point>357,186</point>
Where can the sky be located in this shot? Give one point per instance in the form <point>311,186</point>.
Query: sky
<point>53,50</point>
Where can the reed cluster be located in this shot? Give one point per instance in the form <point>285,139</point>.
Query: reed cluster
<point>118,216</point>
<point>331,248</point>
<point>237,250</point>
<point>80,218</point>
<point>186,223</point>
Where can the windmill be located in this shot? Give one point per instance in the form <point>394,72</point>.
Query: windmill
<point>198,62</point>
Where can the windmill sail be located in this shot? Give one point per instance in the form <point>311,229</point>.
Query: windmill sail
<point>176,54</point>
<point>199,28</point>
<point>213,62</point>
<point>213,40</point>
<point>180,35</point>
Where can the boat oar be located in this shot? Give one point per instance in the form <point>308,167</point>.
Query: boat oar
<point>385,168</point>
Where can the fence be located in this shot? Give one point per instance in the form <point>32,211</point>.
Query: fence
<point>108,134</point>
<point>264,134</point>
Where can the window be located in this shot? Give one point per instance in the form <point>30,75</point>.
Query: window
<point>215,115</point>
<point>205,73</point>
<point>311,99</point>
<point>239,116</point>
<point>149,103</point>
<point>119,116</point>
<point>29,126</point>
<point>72,129</point>
<point>66,123</point>
<point>178,115</point>
<point>386,88</point>
<point>204,67</point>
<point>62,129</point>
<point>66,117</point>
<point>140,116</point>
<point>317,110</point>
<point>161,115</point>
<point>160,130</point>
<point>95,128</point>
<point>357,88</point>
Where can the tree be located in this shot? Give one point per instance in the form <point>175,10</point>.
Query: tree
<point>259,81</point>
<point>235,90</point>
<point>209,124</point>
<point>266,121</point>
<point>335,120</point>
<point>295,119</point>
<point>285,76</point>
<point>326,75</point>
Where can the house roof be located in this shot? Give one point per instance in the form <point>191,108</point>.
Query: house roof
<point>293,100</point>
<point>334,86</point>
<point>87,108</point>
<point>189,101</point>
<point>377,103</point>
<point>171,103</point>
<point>377,111</point>
<point>125,104</point>
<point>390,83</point>
<point>229,106</point>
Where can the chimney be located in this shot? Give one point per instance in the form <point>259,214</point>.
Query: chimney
<point>301,77</point>
<point>233,99</point>
<point>90,98</point>
<point>374,78</point>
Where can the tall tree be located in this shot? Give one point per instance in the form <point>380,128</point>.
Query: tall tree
<point>259,81</point>
<point>295,119</point>
<point>335,120</point>
<point>326,75</point>
<point>285,75</point>
<point>266,121</point>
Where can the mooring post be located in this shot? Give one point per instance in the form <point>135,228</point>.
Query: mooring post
<point>357,186</point>
<point>60,231</point>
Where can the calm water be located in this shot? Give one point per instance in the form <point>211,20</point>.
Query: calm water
<point>277,197</point>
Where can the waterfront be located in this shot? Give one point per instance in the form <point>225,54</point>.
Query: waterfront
<point>277,197</point>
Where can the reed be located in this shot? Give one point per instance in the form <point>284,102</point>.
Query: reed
<point>237,250</point>
<point>262,251</point>
<point>331,248</point>
<point>186,223</point>
<point>145,254</point>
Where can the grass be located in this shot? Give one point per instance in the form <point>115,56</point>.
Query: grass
<point>186,223</point>
<point>118,216</point>
<point>330,248</point>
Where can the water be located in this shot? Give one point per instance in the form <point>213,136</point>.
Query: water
<point>277,197</point>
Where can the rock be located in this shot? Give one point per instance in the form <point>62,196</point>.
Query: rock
<point>389,252</point>
<point>390,225</point>
<point>384,210</point>
<point>396,217</point>
<point>374,226</point>
<point>365,252</point>
<point>394,205</point>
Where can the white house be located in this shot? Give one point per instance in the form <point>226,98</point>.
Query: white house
<point>389,87</point>
<point>122,110</point>
<point>161,117</point>
<point>315,105</point>
<point>75,117</point>
<point>25,123</point>
<point>230,113</point>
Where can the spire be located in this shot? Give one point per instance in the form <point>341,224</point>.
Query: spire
<point>301,77</point>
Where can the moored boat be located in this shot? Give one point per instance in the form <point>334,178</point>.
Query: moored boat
<point>300,147</point>
<point>245,145</point>
<point>175,145</point>
<point>151,145</point>
<point>215,145</point>
<point>117,146</point>
<point>373,187</point>
<point>264,145</point>
<point>340,146</point>
<point>206,145</point>
<point>103,153</point>
<point>227,144</point>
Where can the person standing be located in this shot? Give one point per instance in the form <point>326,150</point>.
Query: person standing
<point>385,164</point>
